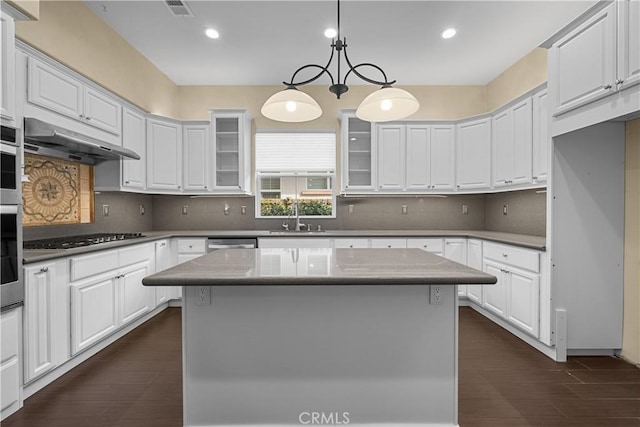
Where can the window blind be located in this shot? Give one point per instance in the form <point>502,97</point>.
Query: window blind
<point>295,152</point>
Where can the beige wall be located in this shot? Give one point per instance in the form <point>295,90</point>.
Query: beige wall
<point>631,332</point>
<point>526,74</point>
<point>71,33</point>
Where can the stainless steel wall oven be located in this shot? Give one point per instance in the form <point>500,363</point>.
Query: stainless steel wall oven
<point>12,287</point>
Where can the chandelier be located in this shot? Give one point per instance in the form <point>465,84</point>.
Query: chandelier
<point>385,104</point>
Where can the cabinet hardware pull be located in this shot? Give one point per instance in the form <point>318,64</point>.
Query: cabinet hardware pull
<point>534,177</point>
<point>82,116</point>
<point>126,182</point>
<point>44,269</point>
<point>607,87</point>
<point>162,245</point>
<point>505,255</point>
<point>619,81</point>
<point>88,118</point>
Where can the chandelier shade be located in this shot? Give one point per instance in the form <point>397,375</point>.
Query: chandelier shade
<point>387,103</point>
<point>291,105</point>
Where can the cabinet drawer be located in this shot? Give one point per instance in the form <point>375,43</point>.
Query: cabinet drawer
<point>433,245</point>
<point>350,243</point>
<point>93,264</point>
<point>10,386</point>
<point>191,246</point>
<point>517,257</point>
<point>134,254</point>
<point>388,243</point>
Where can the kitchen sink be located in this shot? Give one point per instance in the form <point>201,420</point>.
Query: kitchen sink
<point>293,232</point>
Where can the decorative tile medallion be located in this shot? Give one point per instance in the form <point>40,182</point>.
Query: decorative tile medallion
<point>52,194</point>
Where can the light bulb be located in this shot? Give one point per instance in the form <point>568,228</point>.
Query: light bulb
<point>386,104</point>
<point>330,33</point>
<point>211,33</point>
<point>291,106</point>
<point>448,33</point>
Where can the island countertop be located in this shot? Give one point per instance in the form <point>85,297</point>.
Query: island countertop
<point>272,267</point>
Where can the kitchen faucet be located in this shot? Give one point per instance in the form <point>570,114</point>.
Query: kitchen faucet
<point>299,225</point>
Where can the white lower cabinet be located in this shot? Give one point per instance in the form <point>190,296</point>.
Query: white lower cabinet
<point>474,260</point>
<point>93,310</point>
<point>349,243</point>
<point>10,355</point>
<point>136,299</point>
<point>516,296</point>
<point>164,261</point>
<point>388,243</point>
<point>294,242</point>
<point>456,250</point>
<point>433,245</point>
<point>46,317</point>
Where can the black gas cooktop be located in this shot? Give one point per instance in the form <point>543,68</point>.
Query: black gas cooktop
<point>69,242</point>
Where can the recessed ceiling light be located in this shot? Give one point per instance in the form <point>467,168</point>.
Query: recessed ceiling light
<point>330,33</point>
<point>448,33</point>
<point>211,33</point>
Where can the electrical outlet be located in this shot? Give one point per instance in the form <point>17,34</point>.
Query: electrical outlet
<point>185,209</point>
<point>204,296</point>
<point>350,209</point>
<point>105,210</point>
<point>405,209</point>
<point>243,210</point>
<point>465,209</point>
<point>227,209</point>
<point>505,209</point>
<point>141,209</point>
<point>436,295</point>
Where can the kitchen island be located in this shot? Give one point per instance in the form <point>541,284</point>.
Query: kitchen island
<point>319,336</point>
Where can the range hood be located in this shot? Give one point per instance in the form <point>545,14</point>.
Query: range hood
<point>50,140</point>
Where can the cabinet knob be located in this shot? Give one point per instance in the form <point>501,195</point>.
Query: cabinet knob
<point>619,81</point>
<point>457,186</point>
<point>351,246</point>
<point>162,245</point>
<point>389,246</point>
<point>534,177</point>
<point>126,182</point>
<point>505,255</point>
<point>82,116</point>
<point>44,269</point>
<point>179,186</point>
<point>205,187</point>
<point>88,118</point>
<point>607,87</point>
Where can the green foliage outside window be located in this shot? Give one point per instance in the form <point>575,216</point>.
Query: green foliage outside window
<point>306,207</point>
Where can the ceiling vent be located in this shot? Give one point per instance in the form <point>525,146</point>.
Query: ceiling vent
<point>178,8</point>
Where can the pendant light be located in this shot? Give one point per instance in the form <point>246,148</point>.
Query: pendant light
<point>385,104</point>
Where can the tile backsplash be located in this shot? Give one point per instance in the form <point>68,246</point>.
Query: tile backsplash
<point>526,212</point>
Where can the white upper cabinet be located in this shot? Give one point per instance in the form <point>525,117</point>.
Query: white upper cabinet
<point>473,154</point>
<point>512,145</point>
<point>417,157</point>
<point>541,136</point>
<point>358,153</point>
<point>164,151</point>
<point>55,90</point>
<point>7,68</point>
<point>582,63</point>
<point>628,42</point>
<point>134,138</point>
<point>391,155</point>
<point>195,147</point>
<point>442,161</point>
<point>231,157</point>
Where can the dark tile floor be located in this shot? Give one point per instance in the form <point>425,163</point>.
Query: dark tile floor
<point>136,382</point>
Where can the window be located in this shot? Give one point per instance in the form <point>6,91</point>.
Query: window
<point>295,170</point>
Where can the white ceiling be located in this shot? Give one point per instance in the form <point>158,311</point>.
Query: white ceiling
<point>264,42</point>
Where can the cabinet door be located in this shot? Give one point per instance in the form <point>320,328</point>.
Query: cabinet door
<point>350,243</point>
<point>134,138</point>
<point>164,148</point>
<point>522,143</point>
<point>494,297</point>
<point>93,310</point>
<point>629,42</point>
<point>9,387</point>
<point>163,261</point>
<point>473,152</point>
<point>135,299</point>
<point>10,379</point>
<point>7,70</point>
<point>502,147</point>
<point>102,111</point>
<point>54,90</point>
<point>417,157</point>
<point>228,131</point>
<point>523,306</point>
<point>389,243</point>
<point>541,136</point>
<point>38,317</point>
<point>474,260</point>
<point>442,161</point>
<point>456,250</point>
<point>358,152</point>
<point>196,153</point>
<point>391,157</point>
<point>582,63</point>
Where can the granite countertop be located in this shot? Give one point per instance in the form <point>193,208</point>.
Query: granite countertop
<point>522,240</point>
<point>272,267</point>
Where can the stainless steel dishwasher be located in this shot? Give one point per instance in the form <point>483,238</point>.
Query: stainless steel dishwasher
<point>216,244</point>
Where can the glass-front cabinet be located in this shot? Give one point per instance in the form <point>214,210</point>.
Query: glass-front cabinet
<point>231,130</point>
<point>358,155</point>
